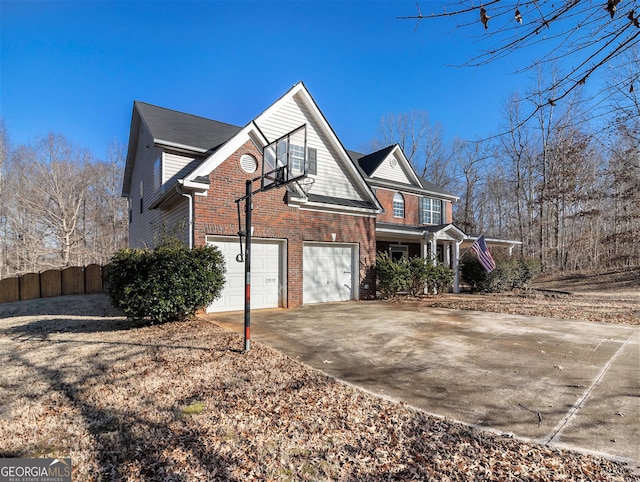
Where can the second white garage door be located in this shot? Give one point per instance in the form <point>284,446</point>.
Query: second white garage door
<point>328,272</point>
<point>266,279</point>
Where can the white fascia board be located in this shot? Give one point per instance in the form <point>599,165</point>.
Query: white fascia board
<point>332,208</point>
<point>300,89</point>
<point>502,241</point>
<point>248,132</point>
<point>411,233</point>
<point>179,147</point>
<point>451,229</point>
<point>391,186</point>
<point>196,186</point>
<point>406,165</point>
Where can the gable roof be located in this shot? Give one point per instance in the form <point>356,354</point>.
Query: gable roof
<point>369,163</point>
<point>252,131</point>
<point>172,128</point>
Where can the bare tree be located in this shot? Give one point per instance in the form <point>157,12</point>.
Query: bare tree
<point>516,151</point>
<point>105,221</point>
<point>421,141</point>
<point>55,188</point>
<point>59,206</point>
<point>4,197</point>
<point>471,165</point>
<point>590,34</point>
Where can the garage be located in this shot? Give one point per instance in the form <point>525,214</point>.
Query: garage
<point>328,272</point>
<point>267,281</point>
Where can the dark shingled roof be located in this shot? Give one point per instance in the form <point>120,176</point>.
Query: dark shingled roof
<point>370,162</point>
<point>185,129</point>
<point>431,187</point>
<point>354,203</point>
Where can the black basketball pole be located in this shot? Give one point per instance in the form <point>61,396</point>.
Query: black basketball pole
<point>247,268</point>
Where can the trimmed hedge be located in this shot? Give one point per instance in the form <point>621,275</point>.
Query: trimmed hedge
<point>510,273</point>
<point>168,283</point>
<point>411,275</point>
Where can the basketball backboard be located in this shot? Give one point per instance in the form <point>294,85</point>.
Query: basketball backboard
<point>285,159</point>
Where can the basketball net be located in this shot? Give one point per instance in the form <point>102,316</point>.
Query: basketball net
<point>301,187</point>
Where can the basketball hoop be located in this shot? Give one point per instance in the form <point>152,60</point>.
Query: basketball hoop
<point>284,163</point>
<point>301,187</point>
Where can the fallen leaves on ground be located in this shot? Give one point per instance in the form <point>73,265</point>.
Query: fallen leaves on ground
<point>182,402</point>
<point>569,306</point>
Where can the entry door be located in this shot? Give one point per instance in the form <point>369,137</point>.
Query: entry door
<point>327,272</point>
<point>398,252</point>
<point>265,275</point>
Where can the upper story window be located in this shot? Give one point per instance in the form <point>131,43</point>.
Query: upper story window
<point>430,211</point>
<point>291,154</point>
<point>296,157</point>
<point>398,205</point>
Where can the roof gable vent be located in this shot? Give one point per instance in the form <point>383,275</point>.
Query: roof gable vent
<point>248,163</point>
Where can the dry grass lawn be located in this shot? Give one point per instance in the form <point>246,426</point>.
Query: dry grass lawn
<point>180,402</point>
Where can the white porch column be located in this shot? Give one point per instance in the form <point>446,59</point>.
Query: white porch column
<point>447,254</point>
<point>424,248</point>
<point>434,250</point>
<point>456,266</point>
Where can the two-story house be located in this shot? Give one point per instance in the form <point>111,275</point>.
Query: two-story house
<point>184,173</point>
<point>417,215</point>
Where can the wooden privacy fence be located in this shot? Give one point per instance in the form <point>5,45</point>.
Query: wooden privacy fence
<point>73,280</point>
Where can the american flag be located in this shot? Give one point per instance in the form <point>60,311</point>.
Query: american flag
<point>484,256</point>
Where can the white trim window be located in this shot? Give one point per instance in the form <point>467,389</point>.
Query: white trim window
<point>430,211</point>
<point>398,205</point>
<point>296,157</point>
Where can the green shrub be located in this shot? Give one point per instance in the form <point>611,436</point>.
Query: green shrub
<point>419,273</point>
<point>510,273</point>
<point>472,272</point>
<point>529,269</point>
<point>168,283</point>
<point>393,276</point>
<point>440,279</point>
<point>412,275</point>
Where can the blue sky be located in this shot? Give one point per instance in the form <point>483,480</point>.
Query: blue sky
<point>76,67</point>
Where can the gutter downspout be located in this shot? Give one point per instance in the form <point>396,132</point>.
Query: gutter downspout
<point>190,215</point>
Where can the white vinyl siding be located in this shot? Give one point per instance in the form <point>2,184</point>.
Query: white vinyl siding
<point>146,228</point>
<point>331,179</point>
<point>390,172</point>
<point>177,167</point>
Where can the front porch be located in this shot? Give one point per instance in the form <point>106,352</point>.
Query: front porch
<point>444,243</point>
<point>439,243</point>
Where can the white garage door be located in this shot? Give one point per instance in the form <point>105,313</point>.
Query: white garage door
<point>327,273</point>
<point>265,275</point>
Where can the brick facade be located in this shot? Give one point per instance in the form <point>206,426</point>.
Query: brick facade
<point>411,208</point>
<point>216,214</point>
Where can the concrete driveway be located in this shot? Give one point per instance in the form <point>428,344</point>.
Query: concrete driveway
<point>565,383</point>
